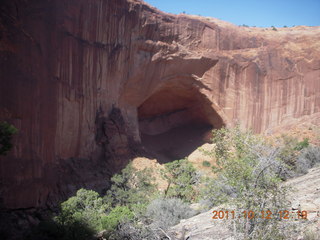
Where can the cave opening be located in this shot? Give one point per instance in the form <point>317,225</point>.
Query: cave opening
<point>175,121</point>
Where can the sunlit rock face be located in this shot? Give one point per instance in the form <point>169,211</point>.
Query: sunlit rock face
<point>85,80</point>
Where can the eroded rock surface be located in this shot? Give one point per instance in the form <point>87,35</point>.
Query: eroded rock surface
<point>79,77</point>
<point>305,196</point>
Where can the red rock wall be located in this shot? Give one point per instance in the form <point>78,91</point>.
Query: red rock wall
<point>73,74</point>
<point>62,65</point>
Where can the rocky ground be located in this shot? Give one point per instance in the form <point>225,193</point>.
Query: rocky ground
<point>305,195</point>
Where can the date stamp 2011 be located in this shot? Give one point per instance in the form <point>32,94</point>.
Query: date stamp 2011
<point>249,214</point>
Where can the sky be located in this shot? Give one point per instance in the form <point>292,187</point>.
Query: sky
<point>260,13</point>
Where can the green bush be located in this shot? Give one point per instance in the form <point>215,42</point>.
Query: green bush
<point>182,178</point>
<point>303,144</point>
<point>86,208</point>
<point>289,148</point>
<point>206,164</point>
<point>299,156</point>
<point>249,178</point>
<point>6,132</point>
<point>131,188</point>
<point>118,215</point>
<point>79,219</point>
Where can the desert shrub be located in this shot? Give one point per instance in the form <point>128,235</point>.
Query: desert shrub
<point>153,224</point>
<point>137,230</point>
<point>131,187</point>
<point>6,132</point>
<point>163,213</point>
<point>216,191</point>
<point>117,216</point>
<point>249,175</point>
<point>129,230</point>
<point>83,211</point>
<point>288,150</point>
<point>291,152</point>
<point>206,164</point>
<point>182,178</point>
<point>85,214</point>
<point>303,165</point>
<point>79,219</point>
<point>303,144</point>
<point>308,158</point>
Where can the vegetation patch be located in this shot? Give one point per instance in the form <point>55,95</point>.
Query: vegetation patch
<point>248,176</point>
<point>6,132</point>
<point>206,164</point>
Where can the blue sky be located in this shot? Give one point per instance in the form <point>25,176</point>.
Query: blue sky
<point>260,13</point>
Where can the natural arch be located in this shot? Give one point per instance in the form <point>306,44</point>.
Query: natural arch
<point>176,120</point>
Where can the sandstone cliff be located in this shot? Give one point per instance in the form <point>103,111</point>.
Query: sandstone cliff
<point>84,80</point>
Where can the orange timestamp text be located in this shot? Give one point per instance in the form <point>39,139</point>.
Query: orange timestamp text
<point>248,214</point>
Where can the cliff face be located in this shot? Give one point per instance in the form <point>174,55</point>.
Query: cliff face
<point>84,81</point>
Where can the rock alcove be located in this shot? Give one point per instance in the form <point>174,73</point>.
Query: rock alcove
<point>175,120</point>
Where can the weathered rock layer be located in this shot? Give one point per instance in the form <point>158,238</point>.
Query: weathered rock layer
<point>80,79</point>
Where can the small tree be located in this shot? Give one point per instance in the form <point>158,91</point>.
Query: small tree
<point>182,178</point>
<point>249,175</point>
<point>117,216</point>
<point>131,187</point>
<point>80,216</point>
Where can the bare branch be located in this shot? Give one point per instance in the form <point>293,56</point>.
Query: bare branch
<point>165,233</point>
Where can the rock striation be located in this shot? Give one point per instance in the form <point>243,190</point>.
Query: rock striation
<point>84,81</point>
